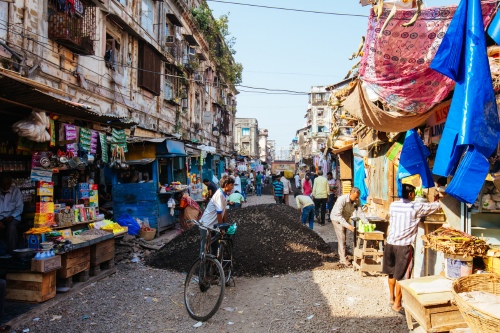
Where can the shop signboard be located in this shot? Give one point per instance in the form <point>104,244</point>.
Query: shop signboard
<point>437,121</point>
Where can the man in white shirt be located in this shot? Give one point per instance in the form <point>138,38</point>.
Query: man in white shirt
<point>251,177</point>
<point>215,213</point>
<point>237,183</point>
<point>11,208</point>
<point>405,215</point>
<point>297,181</point>
<point>287,188</point>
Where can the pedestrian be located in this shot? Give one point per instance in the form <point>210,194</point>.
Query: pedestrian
<point>332,196</point>
<point>305,205</point>
<point>237,183</point>
<point>244,184</point>
<point>236,200</point>
<point>188,210</point>
<point>211,188</point>
<point>297,180</point>
<point>11,208</point>
<point>278,190</point>
<point>342,211</point>
<point>320,196</point>
<point>306,185</point>
<point>251,177</point>
<point>405,215</point>
<point>287,188</point>
<point>258,184</point>
<point>312,177</point>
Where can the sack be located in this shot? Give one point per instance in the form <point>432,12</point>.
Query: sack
<point>126,220</point>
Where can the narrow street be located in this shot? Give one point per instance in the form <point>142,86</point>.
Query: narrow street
<point>141,299</point>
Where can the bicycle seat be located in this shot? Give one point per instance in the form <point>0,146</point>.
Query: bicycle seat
<point>222,226</point>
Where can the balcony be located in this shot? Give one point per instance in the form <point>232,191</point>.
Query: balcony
<point>74,30</point>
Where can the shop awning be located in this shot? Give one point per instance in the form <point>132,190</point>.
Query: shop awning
<point>191,40</point>
<point>176,147</point>
<point>20,92</point>
<point>174,20</point>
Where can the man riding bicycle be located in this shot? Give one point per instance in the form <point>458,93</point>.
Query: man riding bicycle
<point>215,213</point>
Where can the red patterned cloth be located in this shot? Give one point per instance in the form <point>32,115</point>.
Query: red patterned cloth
<point>396,66</point>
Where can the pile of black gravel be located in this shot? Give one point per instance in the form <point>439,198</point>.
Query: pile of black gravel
<point>270,240</point>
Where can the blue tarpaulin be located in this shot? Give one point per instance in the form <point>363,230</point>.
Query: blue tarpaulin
<point>472,126</point>
<point>413,161</point>
<point>359,179</point>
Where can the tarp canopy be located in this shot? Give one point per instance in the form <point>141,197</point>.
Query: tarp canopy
<point>360,107</point>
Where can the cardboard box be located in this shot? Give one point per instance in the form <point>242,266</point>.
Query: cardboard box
<point>45,207</point>
<point>45,191</point>
<point>83,186</point>
<point>46,265</point>
<point>42,184</point>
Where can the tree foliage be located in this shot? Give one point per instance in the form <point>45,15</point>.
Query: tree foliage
<point>220,41</point>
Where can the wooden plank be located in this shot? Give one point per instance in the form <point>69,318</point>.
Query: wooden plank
<point>428,299</point>
<point>102,258</point>
<point>66,273</point>
<point>76,253</point>
<point>68,263</point>
<point>36,277</point>
<point>29,290</point>
<point>345,161</point>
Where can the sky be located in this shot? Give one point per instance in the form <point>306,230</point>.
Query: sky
<point>292,51</point>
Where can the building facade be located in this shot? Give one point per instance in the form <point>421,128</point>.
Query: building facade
<point>246,137</point>
<point>151,63</point>
<point>263,148</point>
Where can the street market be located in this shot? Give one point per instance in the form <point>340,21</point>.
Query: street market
<point>133,198</point>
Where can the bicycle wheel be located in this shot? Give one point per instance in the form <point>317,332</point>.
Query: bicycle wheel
<point>204,289</point>
<point>226,259</point>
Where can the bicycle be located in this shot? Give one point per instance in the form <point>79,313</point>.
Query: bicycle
<point>208,276</point>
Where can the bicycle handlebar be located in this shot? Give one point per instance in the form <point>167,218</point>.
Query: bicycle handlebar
<point>201,225</point>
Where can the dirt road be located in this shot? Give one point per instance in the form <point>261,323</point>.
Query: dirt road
<point>143,299</point>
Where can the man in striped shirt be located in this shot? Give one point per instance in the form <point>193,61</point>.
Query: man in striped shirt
<point>278,190</point>
<point>405,215</point>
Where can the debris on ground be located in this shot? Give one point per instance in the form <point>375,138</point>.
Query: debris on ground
<point>270,240</point>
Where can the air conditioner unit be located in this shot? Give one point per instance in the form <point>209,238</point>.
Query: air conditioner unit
<point>198,78</point>
<point>170,39</point>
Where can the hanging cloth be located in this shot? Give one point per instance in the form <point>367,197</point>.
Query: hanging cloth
<point>472,127</point>
<point>413,161</point>
<point>359,179</point>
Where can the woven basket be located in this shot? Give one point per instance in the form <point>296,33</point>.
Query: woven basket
<point>478,321</point>
<point>147,235</point>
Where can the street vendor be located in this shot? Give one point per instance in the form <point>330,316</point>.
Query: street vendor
<point>189,210</point>
<point>342,211</point>
<point>405,215</point>
<point>211,188</point>
<point>11,207</point>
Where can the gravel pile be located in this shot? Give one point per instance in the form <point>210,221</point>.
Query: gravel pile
<point>270,240</point>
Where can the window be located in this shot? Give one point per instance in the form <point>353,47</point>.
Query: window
<point>322,129</point>
<point>245,131</point>
<point>123,2</point>
<point>318,97</point>
<point>112,53</point>
<point>172,83</point>
<point>149,69</point>
<point>147,17</point>
<point>73,27</point>
<point>3,19</point>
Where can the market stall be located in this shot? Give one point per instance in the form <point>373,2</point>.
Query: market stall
<point>145,190</point>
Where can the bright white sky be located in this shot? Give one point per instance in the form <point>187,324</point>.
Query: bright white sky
<point>292,51</point>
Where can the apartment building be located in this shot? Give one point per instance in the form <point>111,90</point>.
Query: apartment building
<point>152,65</point>
<point>246,137</point>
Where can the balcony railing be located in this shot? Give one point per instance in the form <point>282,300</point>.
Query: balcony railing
<point>73,27</point>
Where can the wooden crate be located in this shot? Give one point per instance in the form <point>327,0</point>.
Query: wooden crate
<point>102,252</point>
<point>31,287</point>
<point>74,262</point>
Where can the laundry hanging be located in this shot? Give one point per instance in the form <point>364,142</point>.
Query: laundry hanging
<point>472,127</point>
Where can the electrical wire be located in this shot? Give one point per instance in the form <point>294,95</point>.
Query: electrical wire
<point>289,9</point>
<point>272,93</point>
